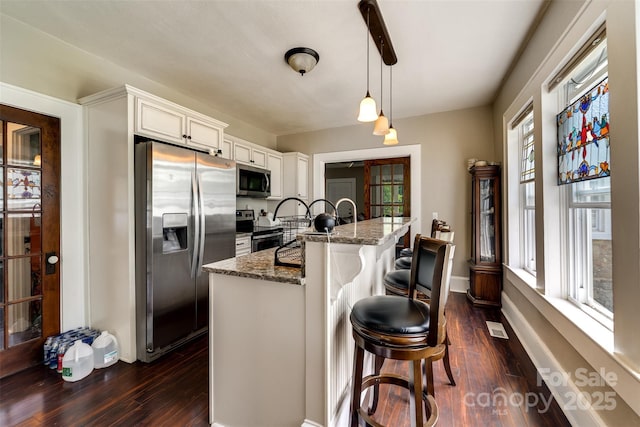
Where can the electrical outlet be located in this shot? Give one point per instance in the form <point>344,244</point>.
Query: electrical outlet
<point>434,215</point>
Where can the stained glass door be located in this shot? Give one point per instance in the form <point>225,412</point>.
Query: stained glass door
<point>29,231</point>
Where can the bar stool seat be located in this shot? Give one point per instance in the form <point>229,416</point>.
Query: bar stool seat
<point>406,252</point>
<point>403,263</point>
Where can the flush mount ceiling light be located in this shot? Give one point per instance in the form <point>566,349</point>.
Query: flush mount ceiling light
<point>301,59</point>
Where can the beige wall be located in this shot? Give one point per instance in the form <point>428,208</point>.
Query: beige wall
<point>36,61</point>
<point>447,140</point>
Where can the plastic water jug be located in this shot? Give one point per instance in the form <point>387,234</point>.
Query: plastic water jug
<point>77,362</point>
<point>105,350</point>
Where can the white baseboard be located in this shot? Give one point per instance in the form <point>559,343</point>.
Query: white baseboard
<point>459,284</point>
<point>309,423</point>
<point>543,358</point>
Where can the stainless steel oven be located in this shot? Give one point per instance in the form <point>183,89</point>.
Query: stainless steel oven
<point>261,237</point>
<point>268,239</point>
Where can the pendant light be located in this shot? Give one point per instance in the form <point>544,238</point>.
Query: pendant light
<point>392,137</point>
<point>381,126</point>
<point>368,104</point>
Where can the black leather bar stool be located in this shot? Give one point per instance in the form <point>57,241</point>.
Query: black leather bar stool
<point>404,328</point>
<point>397,283</point>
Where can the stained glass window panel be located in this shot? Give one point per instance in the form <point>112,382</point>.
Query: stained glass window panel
<point>23,189</point>
<point>527,160</point>
<point>583,137</point>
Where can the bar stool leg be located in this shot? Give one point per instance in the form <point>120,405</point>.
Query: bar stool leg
<point>358,359</point>
<point>379,361</point>
<point>415,393</point>
<point>447,364</point>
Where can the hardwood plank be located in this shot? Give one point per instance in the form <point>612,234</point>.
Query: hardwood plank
<point>174,389</point>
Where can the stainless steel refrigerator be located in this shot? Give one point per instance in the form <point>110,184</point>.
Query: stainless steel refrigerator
<point>185,217</point>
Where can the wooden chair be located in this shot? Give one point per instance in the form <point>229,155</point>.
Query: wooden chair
<point>404,328</point>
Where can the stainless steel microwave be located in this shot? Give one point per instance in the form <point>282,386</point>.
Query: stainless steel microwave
<point>252,181</point>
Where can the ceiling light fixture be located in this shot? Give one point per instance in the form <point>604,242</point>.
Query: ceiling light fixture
<point>301,59</point>
<point>392,137</point>
<point>381,126</point>
<point>368,104</point>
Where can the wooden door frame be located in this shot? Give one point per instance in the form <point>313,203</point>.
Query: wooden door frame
<point>30,352</point>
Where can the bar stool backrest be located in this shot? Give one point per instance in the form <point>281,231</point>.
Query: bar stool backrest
<point>429,274</point>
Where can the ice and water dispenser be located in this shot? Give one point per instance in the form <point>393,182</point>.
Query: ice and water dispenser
<point>174,232</point>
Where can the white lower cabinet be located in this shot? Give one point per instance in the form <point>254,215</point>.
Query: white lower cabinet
<point>243,245</point>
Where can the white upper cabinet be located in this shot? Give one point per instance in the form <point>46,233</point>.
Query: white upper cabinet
<point>275,165</point>
<point>248,153</point>
<point>165,121</point>
<point>296,169</point>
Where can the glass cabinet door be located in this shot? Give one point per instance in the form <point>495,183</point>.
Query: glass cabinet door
<point>487,221</point>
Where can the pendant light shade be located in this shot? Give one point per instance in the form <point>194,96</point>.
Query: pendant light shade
<point>368,104</point>
<point>391,138</point>
<point>367,109</point>
<point>381,126</point>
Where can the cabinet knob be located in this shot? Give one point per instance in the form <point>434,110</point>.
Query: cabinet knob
<point>184,136</point>
<point>189,137</point>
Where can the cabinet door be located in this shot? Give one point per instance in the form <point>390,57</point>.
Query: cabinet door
<point>203,135</point>
<point>159,122</point>
<point>227,149</point>
<point>303,177</point>
<point>274,164</point>
<point>258,157</point>
<point>241,153</point>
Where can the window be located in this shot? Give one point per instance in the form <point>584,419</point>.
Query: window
<point>583,168</point>
<point>527,195</point>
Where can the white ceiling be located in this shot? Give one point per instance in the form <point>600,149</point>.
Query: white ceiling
<point>452,54</point>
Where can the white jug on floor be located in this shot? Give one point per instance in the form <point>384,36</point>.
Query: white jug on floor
<point>77,362</point>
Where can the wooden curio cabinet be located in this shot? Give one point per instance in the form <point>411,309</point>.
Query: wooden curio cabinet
<point>485,265</point>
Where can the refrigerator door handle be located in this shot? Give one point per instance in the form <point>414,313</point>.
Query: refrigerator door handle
<point>196,225</point>
<point>202,227</point>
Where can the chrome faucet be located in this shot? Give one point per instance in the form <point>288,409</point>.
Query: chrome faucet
<point>345,199</point>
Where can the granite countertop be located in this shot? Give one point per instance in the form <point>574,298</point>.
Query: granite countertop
<point>260,265</point>
<point>371,232</point>
<point>257,265</point>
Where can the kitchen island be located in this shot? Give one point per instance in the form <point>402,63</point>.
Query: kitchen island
<point>280,342</point>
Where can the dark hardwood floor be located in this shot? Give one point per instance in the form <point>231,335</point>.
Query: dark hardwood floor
<point>491,373</point>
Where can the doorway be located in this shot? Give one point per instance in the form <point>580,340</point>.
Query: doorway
<point>320,160</point>
<point>30,236</point>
